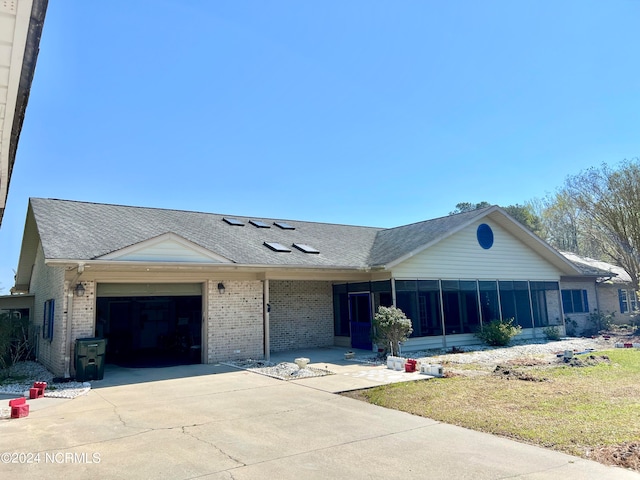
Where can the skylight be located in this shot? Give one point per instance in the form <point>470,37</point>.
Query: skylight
<point>233,221</point>
<point>284,225</point>
<point>305,248</point>
<point>277,247</point>
<point>259,224</point>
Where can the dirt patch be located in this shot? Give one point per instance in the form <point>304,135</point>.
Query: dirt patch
<point>528,362</point>
<point>509,373</point>
<point>585,360</point>
<point>625,455</point>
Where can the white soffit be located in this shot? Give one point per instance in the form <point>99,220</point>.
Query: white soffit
<point>14,26</point>
<point>166,248</point>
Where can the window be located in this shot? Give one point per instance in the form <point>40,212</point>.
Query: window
<point>539,301</point>
<point>514,298</point>
<point>277,247</point>
<point>233,221</point>
<point>259,224</point>
<point>489,305</point>
<point>460,304</point>
<point>284,225</point>
<point>628,300</point>
<point>306,248</point>
<point>575,301</point>
<point>47,324</point>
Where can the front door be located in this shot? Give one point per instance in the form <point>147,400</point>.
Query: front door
<point>360,320</point>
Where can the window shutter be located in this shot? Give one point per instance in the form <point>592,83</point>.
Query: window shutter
<point>621,299</point>
<point>586,301</point>
<point>566,301</point>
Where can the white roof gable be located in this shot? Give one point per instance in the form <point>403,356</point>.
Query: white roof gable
<point>166,248</point>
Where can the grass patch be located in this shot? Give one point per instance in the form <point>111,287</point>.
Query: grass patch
<point>589,411</point>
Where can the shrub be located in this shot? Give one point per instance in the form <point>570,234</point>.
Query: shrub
<point>600,321</point>
<point>552,333</point>
<point>14,341</point>
<point>498,333</point>
<point>391,327</point>
<point>571,327</point>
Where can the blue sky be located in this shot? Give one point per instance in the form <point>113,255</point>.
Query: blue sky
<point>359,112</point>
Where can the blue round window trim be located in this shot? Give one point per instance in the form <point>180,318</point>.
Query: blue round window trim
<point>485,236</point>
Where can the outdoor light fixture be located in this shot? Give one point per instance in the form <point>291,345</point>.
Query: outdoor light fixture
<point>79,290</point>
<point>221,288</point>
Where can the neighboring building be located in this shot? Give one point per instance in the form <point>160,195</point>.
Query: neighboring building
<point>611,292</point>
<point>21,24</point>
<point>200,287</point>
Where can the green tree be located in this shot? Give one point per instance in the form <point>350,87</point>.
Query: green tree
<point>464,207</point>
<point>526,215</point>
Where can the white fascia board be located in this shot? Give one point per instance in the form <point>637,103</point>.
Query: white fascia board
<point>73,263</point>
<point>18,46</point>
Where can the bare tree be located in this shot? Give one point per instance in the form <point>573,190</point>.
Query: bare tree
<point>608,200</point>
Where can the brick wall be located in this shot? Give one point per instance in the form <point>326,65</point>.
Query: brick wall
<point>581,319</point>
<point>234,321</point>
<point>83,324</point>
<point>610,301</point>
<point>301,314</point>
<point>48,283</point>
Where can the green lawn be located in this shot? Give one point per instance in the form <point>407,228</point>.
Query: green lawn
<point>591,411</point>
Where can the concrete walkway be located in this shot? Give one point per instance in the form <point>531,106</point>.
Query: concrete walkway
<point>217,422</point>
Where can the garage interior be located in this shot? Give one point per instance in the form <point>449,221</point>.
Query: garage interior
<point>150,331</point>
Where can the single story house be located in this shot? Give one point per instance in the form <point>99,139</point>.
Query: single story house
<point>199,287</point>
<point>611,292</point>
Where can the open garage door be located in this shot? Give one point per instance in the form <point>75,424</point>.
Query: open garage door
<point>159,328</point>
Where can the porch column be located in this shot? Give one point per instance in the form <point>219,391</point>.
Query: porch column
<point>68,325</point>
<point>265,313</point>
<point>393,292</point>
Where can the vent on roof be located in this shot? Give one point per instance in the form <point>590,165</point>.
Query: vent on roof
<point>259,224</point>
<point>284,225</point>
<point>305,248</point>
<point>277,247</point>
<point>233,221</point>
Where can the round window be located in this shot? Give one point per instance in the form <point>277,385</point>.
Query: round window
<point>485,236</point>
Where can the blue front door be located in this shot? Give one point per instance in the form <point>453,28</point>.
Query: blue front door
<point>360,320</point>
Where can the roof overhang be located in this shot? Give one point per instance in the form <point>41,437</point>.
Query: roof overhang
<point>21,23</point>
<point>10,302</point>
<point>133,271</point>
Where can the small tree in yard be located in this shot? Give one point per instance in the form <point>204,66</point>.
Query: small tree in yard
<point>498,333</point>
<point>390,328</point>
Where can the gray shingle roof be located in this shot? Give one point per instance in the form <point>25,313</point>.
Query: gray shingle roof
<point>590,266</point>
<point>82,231</point>
<point>394,243</point>
<point>71,230</point>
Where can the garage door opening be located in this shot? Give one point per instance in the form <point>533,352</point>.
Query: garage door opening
<point>150,331</point>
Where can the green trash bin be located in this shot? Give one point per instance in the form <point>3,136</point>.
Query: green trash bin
<point>90,358</point>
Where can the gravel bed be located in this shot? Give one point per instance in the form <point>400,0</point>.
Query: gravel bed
<point>282,371</point>
<point>34,372</point>
<point>492,356</point>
